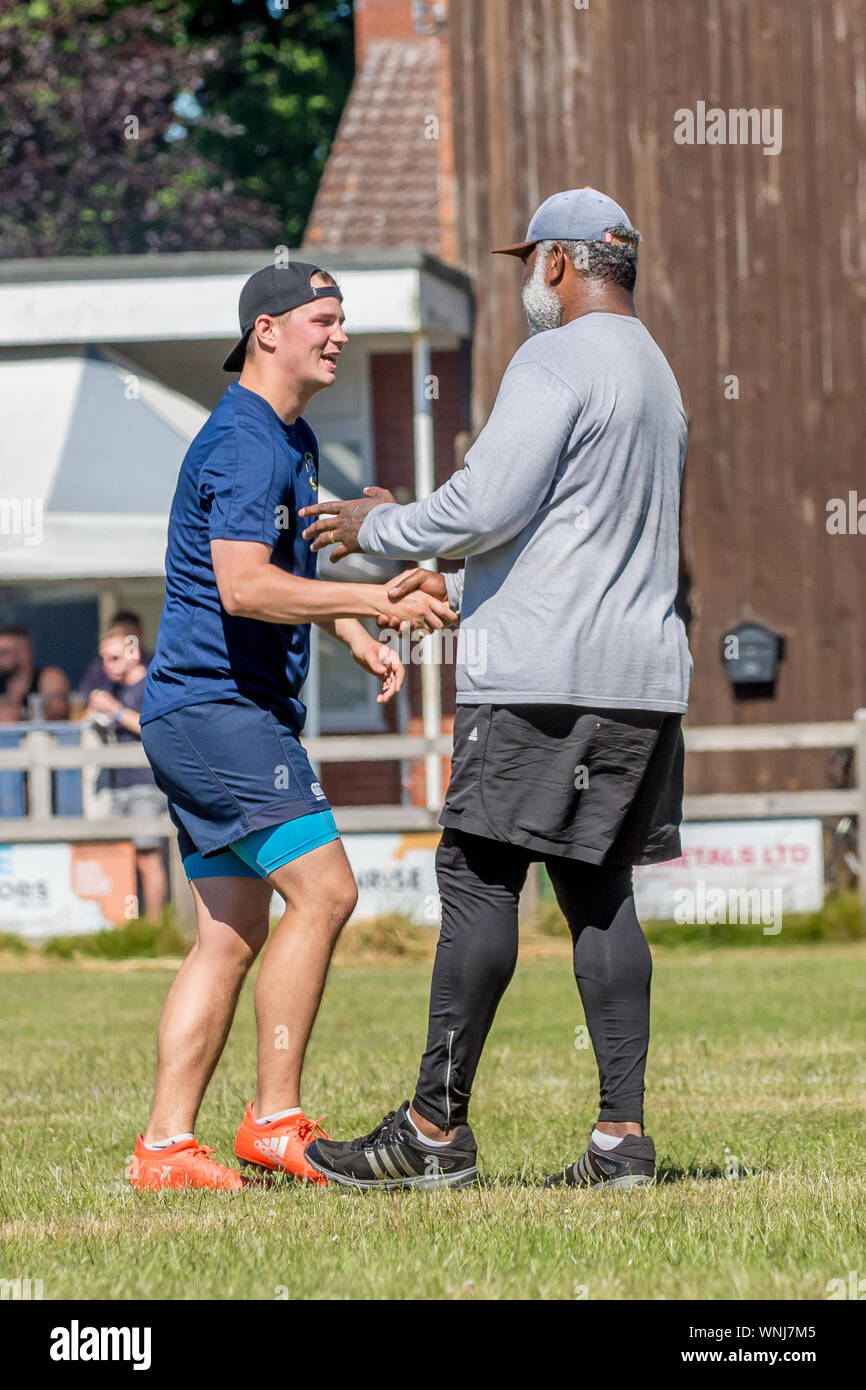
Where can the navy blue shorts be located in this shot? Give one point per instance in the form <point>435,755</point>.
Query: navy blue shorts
<point>229,767</point>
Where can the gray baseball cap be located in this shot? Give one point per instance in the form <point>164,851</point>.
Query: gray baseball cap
<point>577,214</point>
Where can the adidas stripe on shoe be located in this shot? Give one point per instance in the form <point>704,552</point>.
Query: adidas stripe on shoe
<point>278,1147</point>
<point>631,1164</point>
<point>392,1156</point>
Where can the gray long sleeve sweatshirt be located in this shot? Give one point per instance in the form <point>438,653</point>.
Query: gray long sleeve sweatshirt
<point>567,513</point>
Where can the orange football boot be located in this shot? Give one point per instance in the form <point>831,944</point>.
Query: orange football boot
<point>280,1146</point>
<point>185,1164</point>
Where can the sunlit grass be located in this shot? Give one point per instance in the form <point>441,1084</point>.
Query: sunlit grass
<point>757,1083</point>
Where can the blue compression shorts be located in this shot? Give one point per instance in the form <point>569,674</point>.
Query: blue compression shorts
<point>259,853</point>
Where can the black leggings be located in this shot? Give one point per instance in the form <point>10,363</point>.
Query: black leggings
<point>479,886</point>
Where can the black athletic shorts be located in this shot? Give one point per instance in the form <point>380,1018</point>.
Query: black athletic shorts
<point>601,785</point>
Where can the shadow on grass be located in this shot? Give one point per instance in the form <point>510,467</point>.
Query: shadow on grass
<point>669,1173</point>
<point>666,1174</point>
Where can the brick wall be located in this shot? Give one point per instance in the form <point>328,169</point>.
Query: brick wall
<point>362,784</point>
<point>391,395</point>
<point>382,19</point>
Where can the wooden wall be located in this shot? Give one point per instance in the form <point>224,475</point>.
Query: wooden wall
<point>751,265</point>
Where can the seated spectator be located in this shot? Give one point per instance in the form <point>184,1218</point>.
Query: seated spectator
<point>9,710</point>
<point>37,692</point>
<point>116,704</point>
<point>126,624</point>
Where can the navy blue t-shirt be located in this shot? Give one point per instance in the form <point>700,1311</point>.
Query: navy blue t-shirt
<point>244,477</point>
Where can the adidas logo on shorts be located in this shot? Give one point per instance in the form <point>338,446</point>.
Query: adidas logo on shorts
<point>473,737</point>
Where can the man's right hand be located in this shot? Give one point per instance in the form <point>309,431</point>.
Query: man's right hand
<point>416,581</point>
<point>416,608</point>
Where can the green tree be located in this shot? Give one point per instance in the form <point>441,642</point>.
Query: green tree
<point>173,126</point>
<point>280,89</point>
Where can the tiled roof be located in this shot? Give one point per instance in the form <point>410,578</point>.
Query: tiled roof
<point>380,185</point>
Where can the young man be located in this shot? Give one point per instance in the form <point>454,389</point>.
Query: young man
<point>220,724</point>
<point>118,698</point>
<point>127,625</point>
<point>567,744</point>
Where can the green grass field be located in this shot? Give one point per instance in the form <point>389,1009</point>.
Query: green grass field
<point>757,1084</point>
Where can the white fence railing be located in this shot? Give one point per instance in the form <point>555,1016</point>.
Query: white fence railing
<point>39,755</point>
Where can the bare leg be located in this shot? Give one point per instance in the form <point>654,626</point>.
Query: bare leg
<point>320,896</point>
<point>232,927</point>
<point>154,885</point>
<point>619,1128</point>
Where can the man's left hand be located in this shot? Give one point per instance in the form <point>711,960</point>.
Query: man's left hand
<point>340,522</point>
<point>382,662</point>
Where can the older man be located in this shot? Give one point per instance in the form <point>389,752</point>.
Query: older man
<point>567,744</point>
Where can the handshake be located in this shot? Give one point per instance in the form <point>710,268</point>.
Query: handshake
<point>416,601</point>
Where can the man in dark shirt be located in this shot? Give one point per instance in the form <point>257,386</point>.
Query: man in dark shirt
<point>36,692</point>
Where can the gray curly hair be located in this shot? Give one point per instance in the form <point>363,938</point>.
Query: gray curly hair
<point>613,261</point>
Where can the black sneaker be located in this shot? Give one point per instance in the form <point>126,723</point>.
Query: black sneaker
<point>631,1164</point>
<point>392,1155</point>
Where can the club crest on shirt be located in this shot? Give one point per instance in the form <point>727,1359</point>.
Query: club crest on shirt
<point>310,465</point>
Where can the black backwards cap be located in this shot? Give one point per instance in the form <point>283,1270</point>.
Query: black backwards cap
<point>274,290</point>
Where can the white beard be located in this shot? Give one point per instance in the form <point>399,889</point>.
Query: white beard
<point>542,305</point>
